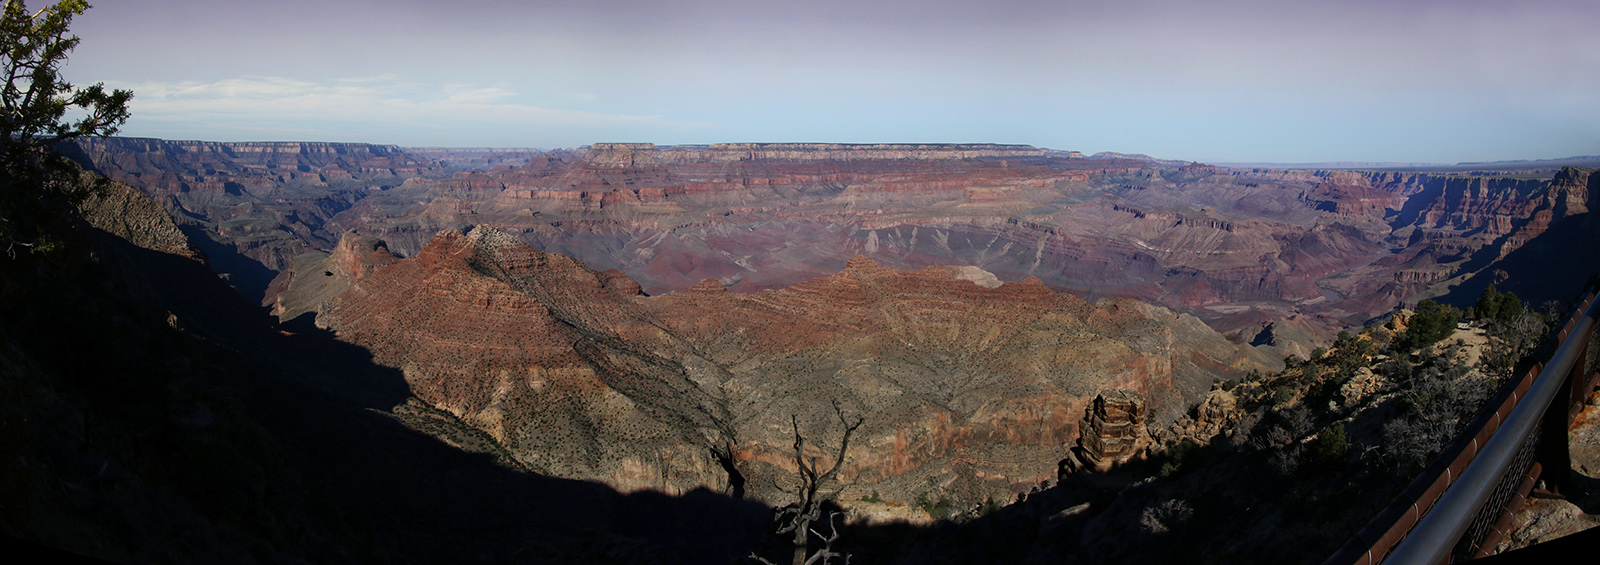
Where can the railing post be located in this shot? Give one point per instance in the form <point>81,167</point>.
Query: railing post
<point>1582,384</point>
<point>1554,454</point>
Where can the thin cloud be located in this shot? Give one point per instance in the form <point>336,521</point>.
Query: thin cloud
<point>255,104</point>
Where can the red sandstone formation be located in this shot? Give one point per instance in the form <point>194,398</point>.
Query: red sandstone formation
<point>971,384</point>
<point>963,379</point>
<point>1113,431</point>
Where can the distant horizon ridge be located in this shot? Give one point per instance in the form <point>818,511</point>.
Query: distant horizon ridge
<point>799,144</point>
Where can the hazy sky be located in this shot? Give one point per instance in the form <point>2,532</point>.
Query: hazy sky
<point>1279,80</point>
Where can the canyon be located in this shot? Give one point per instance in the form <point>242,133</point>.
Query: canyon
<point>622,352</point>
<point>1307,252</point>
<point>651,317</point>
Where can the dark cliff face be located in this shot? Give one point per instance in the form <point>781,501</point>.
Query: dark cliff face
<point>1549,254</point>
<point>1464,233</point>
<point>149,414</point>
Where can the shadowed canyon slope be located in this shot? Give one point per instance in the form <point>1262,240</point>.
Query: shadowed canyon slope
<point>1239,248</point>
<point>965,380</point>
<point>150,414</point>
<point>252,207</point>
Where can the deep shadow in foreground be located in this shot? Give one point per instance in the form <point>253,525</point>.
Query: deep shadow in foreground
<point>148,413</point>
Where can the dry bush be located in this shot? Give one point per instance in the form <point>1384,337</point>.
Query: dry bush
<point>1161,518</point>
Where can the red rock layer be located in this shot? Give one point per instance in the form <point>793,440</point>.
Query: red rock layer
<point>1237,247</point>
<point>525,346</point>
<point>578,375</point>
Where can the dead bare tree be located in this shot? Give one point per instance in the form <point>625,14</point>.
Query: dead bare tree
<point>816,488</point>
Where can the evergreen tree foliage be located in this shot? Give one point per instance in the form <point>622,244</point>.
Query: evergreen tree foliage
<point>1431,323</point>
<point>1495,306</point>
<point>38,187</point>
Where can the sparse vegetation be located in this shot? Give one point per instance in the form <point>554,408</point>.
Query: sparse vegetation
<point>1436,398</point>
<point>1327,452</point>
<point>1178,457</point>
<point>1163,517</point>
<point>1515,329</point>
<point>937,508</point>
<point>1307,457</point>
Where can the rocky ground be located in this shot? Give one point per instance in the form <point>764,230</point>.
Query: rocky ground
<point>1544,519</point>
<point>1279,468</point>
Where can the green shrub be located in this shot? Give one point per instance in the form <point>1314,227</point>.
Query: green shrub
<point>1328,451</point>
<point>1492,305</point>
<point>1181,456</point>
<point>1281,394</point>
<point>936,509</point>
<point>989,506</point>
<point>1431,323</point>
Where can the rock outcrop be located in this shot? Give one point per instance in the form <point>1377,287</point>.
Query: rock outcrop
<point>326,275</point>
<point>122,211</point>
<point>1112,432</point>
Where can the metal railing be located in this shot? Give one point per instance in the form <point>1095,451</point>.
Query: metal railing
<point>1434,538</point>
<point>1460,506</point>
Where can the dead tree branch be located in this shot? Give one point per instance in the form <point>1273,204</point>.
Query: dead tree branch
<point>816,488</point>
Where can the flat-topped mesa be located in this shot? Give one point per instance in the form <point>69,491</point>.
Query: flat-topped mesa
<point>265,152</point>
<point>161,166</point>
<point>637,154</point>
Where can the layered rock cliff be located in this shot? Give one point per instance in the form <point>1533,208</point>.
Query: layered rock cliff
<point>1238,248</point>
<point>638,154</point>
<point>918,286</point>
<point>964,379</point>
